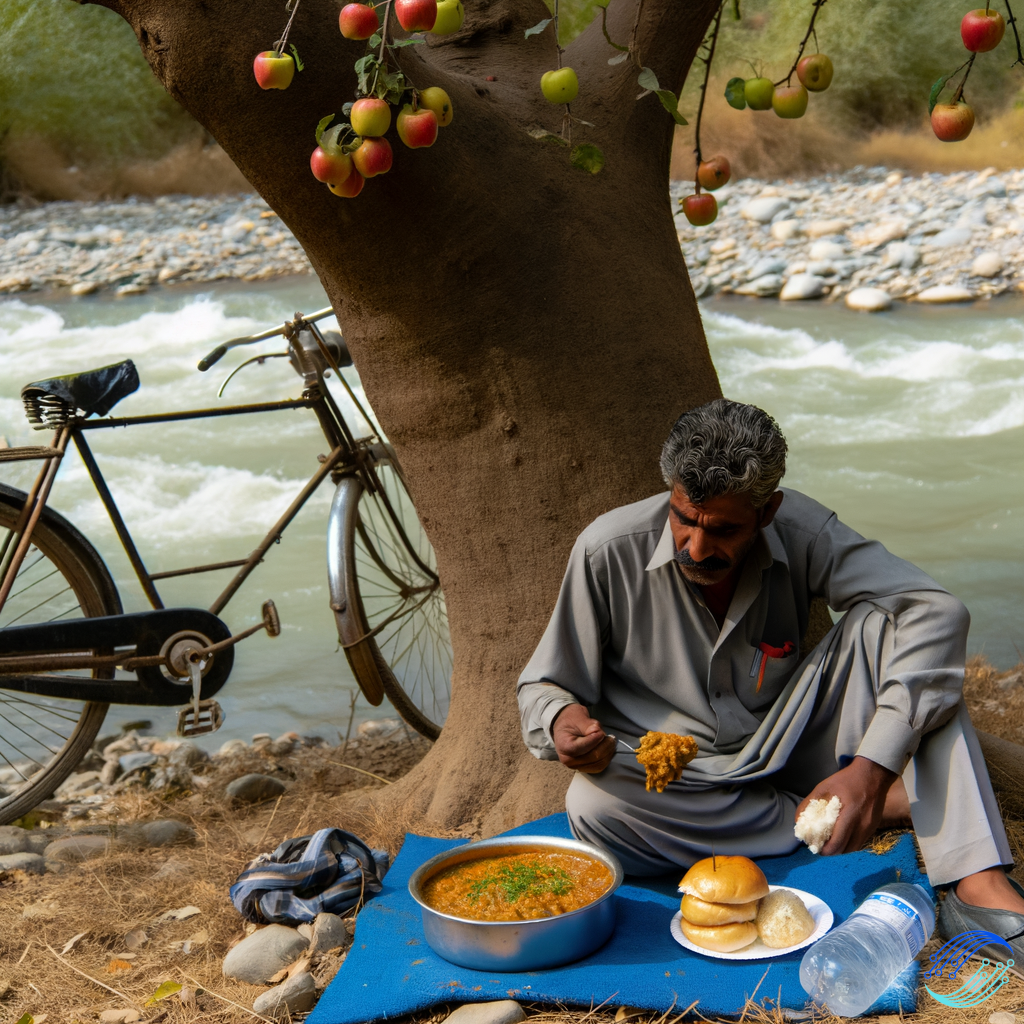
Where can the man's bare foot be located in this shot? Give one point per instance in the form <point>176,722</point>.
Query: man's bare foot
<point>990,888</point>
<point>896,813</point>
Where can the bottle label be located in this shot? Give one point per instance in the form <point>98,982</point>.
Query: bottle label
<point>899,914</point>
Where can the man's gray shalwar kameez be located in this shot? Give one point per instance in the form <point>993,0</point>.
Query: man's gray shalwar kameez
<point>633,641</point>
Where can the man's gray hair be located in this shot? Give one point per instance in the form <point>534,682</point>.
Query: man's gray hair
<point>725,447</point>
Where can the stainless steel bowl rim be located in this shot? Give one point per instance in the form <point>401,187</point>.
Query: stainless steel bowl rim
<point>555,842</point>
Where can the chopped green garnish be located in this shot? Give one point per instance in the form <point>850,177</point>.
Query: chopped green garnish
<point>514,881</point>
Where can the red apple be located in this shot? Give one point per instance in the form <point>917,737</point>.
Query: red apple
<point>700,208</point>
<point>416,15</point>
<point>714,173</point>
<point>982,30</point>
<point>350,187</point>
<point>952,122</point>
<point>373,157</point>
<point>815,71</point>
<point>358,21</point>
<point>417,128</point>
<point>370,117</point>
<point>273,70</point>
<point>790,100</point>
<point>330,166</point>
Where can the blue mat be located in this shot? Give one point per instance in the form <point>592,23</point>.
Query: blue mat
<point>390,970</point>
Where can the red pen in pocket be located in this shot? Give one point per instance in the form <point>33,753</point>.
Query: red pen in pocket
<point>763,653</point>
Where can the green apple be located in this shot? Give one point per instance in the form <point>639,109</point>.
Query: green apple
<point>273,70</point>
<point>370,117</point>
<point>561,86</point>
<point>790,100</point>
<point>450,16</point>
<point>815,71</point>
<point>758,93</point>
<point>437,100</point>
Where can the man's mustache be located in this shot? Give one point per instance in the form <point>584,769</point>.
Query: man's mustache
<point>711,564</point>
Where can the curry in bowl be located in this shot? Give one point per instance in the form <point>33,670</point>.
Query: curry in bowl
<point>517,886</point>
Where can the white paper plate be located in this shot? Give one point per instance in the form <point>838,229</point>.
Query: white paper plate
<point>757,950</point>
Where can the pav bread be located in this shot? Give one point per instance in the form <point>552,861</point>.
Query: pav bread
<point>817,821</point>
<point>725,938</point>
<point>783,920</point>
<point>720,902</point>
<point>725,880</point>
<point>709,915</point>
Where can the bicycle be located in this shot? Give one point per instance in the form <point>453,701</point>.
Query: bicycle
<point>64,635</point>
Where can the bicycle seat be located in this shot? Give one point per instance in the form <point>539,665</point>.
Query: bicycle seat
<point>51,403</point>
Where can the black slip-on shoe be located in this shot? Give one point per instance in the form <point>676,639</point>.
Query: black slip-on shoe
<point>957,917</point>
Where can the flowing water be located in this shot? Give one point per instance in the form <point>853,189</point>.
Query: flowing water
<point>909,424</point>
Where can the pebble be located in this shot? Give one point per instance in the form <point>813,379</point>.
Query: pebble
<point>818,228</point>
<point>902,255</point>
<point>763,210</point>
<point>127,1016</point>
<point>803,286</point>
<point>110,773</point>
<point>784,230</point>
<point>12,840</point>
<point>258,957</point>
<point>823,250</point>
<point>165,832</point>
<point>329,932</point>
<point>987,264</point>
<point>296,995</point>
<point>250,789</point>
<point>767,284</point>
<point>869,300</point>
<point>379,728</point>
<point>1002,1017</point>
<point>75,849</point>
<point>949,237</point>
<point>30,863</point>
<point>232,748</point>
<point>945,293</point>
<point>503,1011</point>
<point>136,761</point>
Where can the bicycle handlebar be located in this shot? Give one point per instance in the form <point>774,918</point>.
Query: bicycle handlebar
<point>221,350</point>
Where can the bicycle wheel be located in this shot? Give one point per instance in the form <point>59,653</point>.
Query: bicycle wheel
<point>391,616</point>
<point>43,739</point>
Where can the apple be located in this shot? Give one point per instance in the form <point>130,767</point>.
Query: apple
<point>330,166</point>
<point>416,15</point>
<point>758,93</point>
<point>358,21</point>
<point>561,86</point>
<point>450,16</point>
<point>790,100</point>
<point>417,128</point>
<point>952,122</point>
<point>437,100</point>
<point>700,208</point>
<point>350,187</point>
<point>982,30</point>
<point>815,71</point>
<point>373,157</point>
<point>370,117</point>
<point>273,70</point>
<point>714,173</point>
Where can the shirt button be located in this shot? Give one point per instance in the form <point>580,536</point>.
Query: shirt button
<point>718,693</point>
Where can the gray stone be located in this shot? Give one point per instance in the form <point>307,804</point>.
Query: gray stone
<point>31,863</point>
<point>110,772</point>
<point>296,995</point>
<point>75,849</point>
<point>76,783</point>
<point>902,255</point>
<point>165,832</point>
<point>945,293</point>
<point>869,300</point>
<point>250,789</point>
<point>39,841</point>
<point>1002,1017</point>
<point>764,209</point>
<point>823,250</point>
<point>987,264</point>
<point>232,748</point>
<point>12,840</point>
<point>379,728</point>
<point>767,284</point>
<point>188,754</point>
<point>504,1011</point>
<point>951,237</point>
<point>136,761</point>
<point>767,265</point>
<point>803,286</point>
<point>329,932</point>
<point>784,230</point>
<point>821,268</point>
<point>258,957</point>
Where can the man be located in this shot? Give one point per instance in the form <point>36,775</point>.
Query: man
<point>684,613</point>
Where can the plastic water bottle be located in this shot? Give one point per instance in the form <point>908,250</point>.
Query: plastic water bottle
<point>851,966</point>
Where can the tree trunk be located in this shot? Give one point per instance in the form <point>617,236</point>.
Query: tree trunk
<point>525,331</point>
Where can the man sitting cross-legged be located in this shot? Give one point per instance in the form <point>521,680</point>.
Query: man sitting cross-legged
<point>683,613</point>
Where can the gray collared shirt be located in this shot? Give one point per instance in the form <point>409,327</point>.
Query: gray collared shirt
<point>633,641</point>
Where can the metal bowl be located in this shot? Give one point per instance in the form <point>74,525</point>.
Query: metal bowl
<point>517,945</point>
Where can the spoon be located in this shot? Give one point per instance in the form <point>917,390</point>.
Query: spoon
<point>632,750</point>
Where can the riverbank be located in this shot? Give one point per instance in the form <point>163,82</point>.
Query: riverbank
<point>928,238</point>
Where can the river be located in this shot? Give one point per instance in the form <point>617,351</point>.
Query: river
<point>909,424</point>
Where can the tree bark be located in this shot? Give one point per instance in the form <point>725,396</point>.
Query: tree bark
<point>525,331</point>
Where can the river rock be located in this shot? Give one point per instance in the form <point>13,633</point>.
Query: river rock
<point>987,264</point>
<point>39,841</point>
<point>784,230</point>
<point>258,957</point>
<point>503,1011</point>
<point>764,209</point>
<point>233,748</point>
<point>802,286</point>
<point>136,761</point>
<point>869,300</point>
<point>329,932</point>
<point>30,863</point>
<point>165,832</point>
<point>188,753</point>
<point>85,287</point>
<point>1002,1017</point>
<point>110,772</point>
<point>768,265</point>
<point>945,293</point>
<point>12,840</point>
<point>379,728</point>
<point>879,234</point>
<point>820,228</point>
<point>250,789</point>
<point>75,849</point>
<point>949,238</point>
<point>821,268</point>
<point>763,286</point>
<point>902,255</point>
<point>296,995</point>
<point>823,250</point>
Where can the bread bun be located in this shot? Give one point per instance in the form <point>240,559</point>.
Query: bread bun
<point>725,880</point>
<point>696,911</point>
<point>725,938</point>
<point>783,920</point>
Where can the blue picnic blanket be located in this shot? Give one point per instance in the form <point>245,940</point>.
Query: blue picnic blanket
<point>390,970</point>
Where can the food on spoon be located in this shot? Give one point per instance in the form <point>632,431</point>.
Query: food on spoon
<point>720,902</point>
<point>709,915</point>
<point>725,880</point>
<point>783,920</point>
<point>816,822</point>
<point>725,938</point>
<point>665,755</point>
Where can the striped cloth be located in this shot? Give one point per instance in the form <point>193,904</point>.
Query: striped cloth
<point>329,871</point>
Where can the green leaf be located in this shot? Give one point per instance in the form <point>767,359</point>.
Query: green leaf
<point>648,80</point>
<point>408,42</point>
<point>537,29</point>
<point>587,158</point>
<point>298,60</point>
<point>670,102</point>
<point>618,58</point>
<point>374,41</point>
<point>933,96</point>
<point>322,124</point>
<point>164,991</point>
<point>543,135</point>
<point>329,140</point>
<point>25,1018</point>
<point>365,63</point>
<point>734,95</point>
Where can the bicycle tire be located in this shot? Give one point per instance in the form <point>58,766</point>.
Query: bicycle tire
<point>390,612</point>
<point>86,576</point>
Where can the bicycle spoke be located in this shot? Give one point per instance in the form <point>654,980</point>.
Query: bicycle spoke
<point>29,611</point>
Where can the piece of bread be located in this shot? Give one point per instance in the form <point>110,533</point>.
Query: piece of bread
<point>696,911</point>
<point>725,938</point>
<point>816,822</point>
<point>783,920</point>
<point>725,880</point>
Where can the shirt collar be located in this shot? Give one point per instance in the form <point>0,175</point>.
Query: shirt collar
<point>665,550</point>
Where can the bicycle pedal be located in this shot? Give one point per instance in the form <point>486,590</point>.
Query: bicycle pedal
<point>209,719</point>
